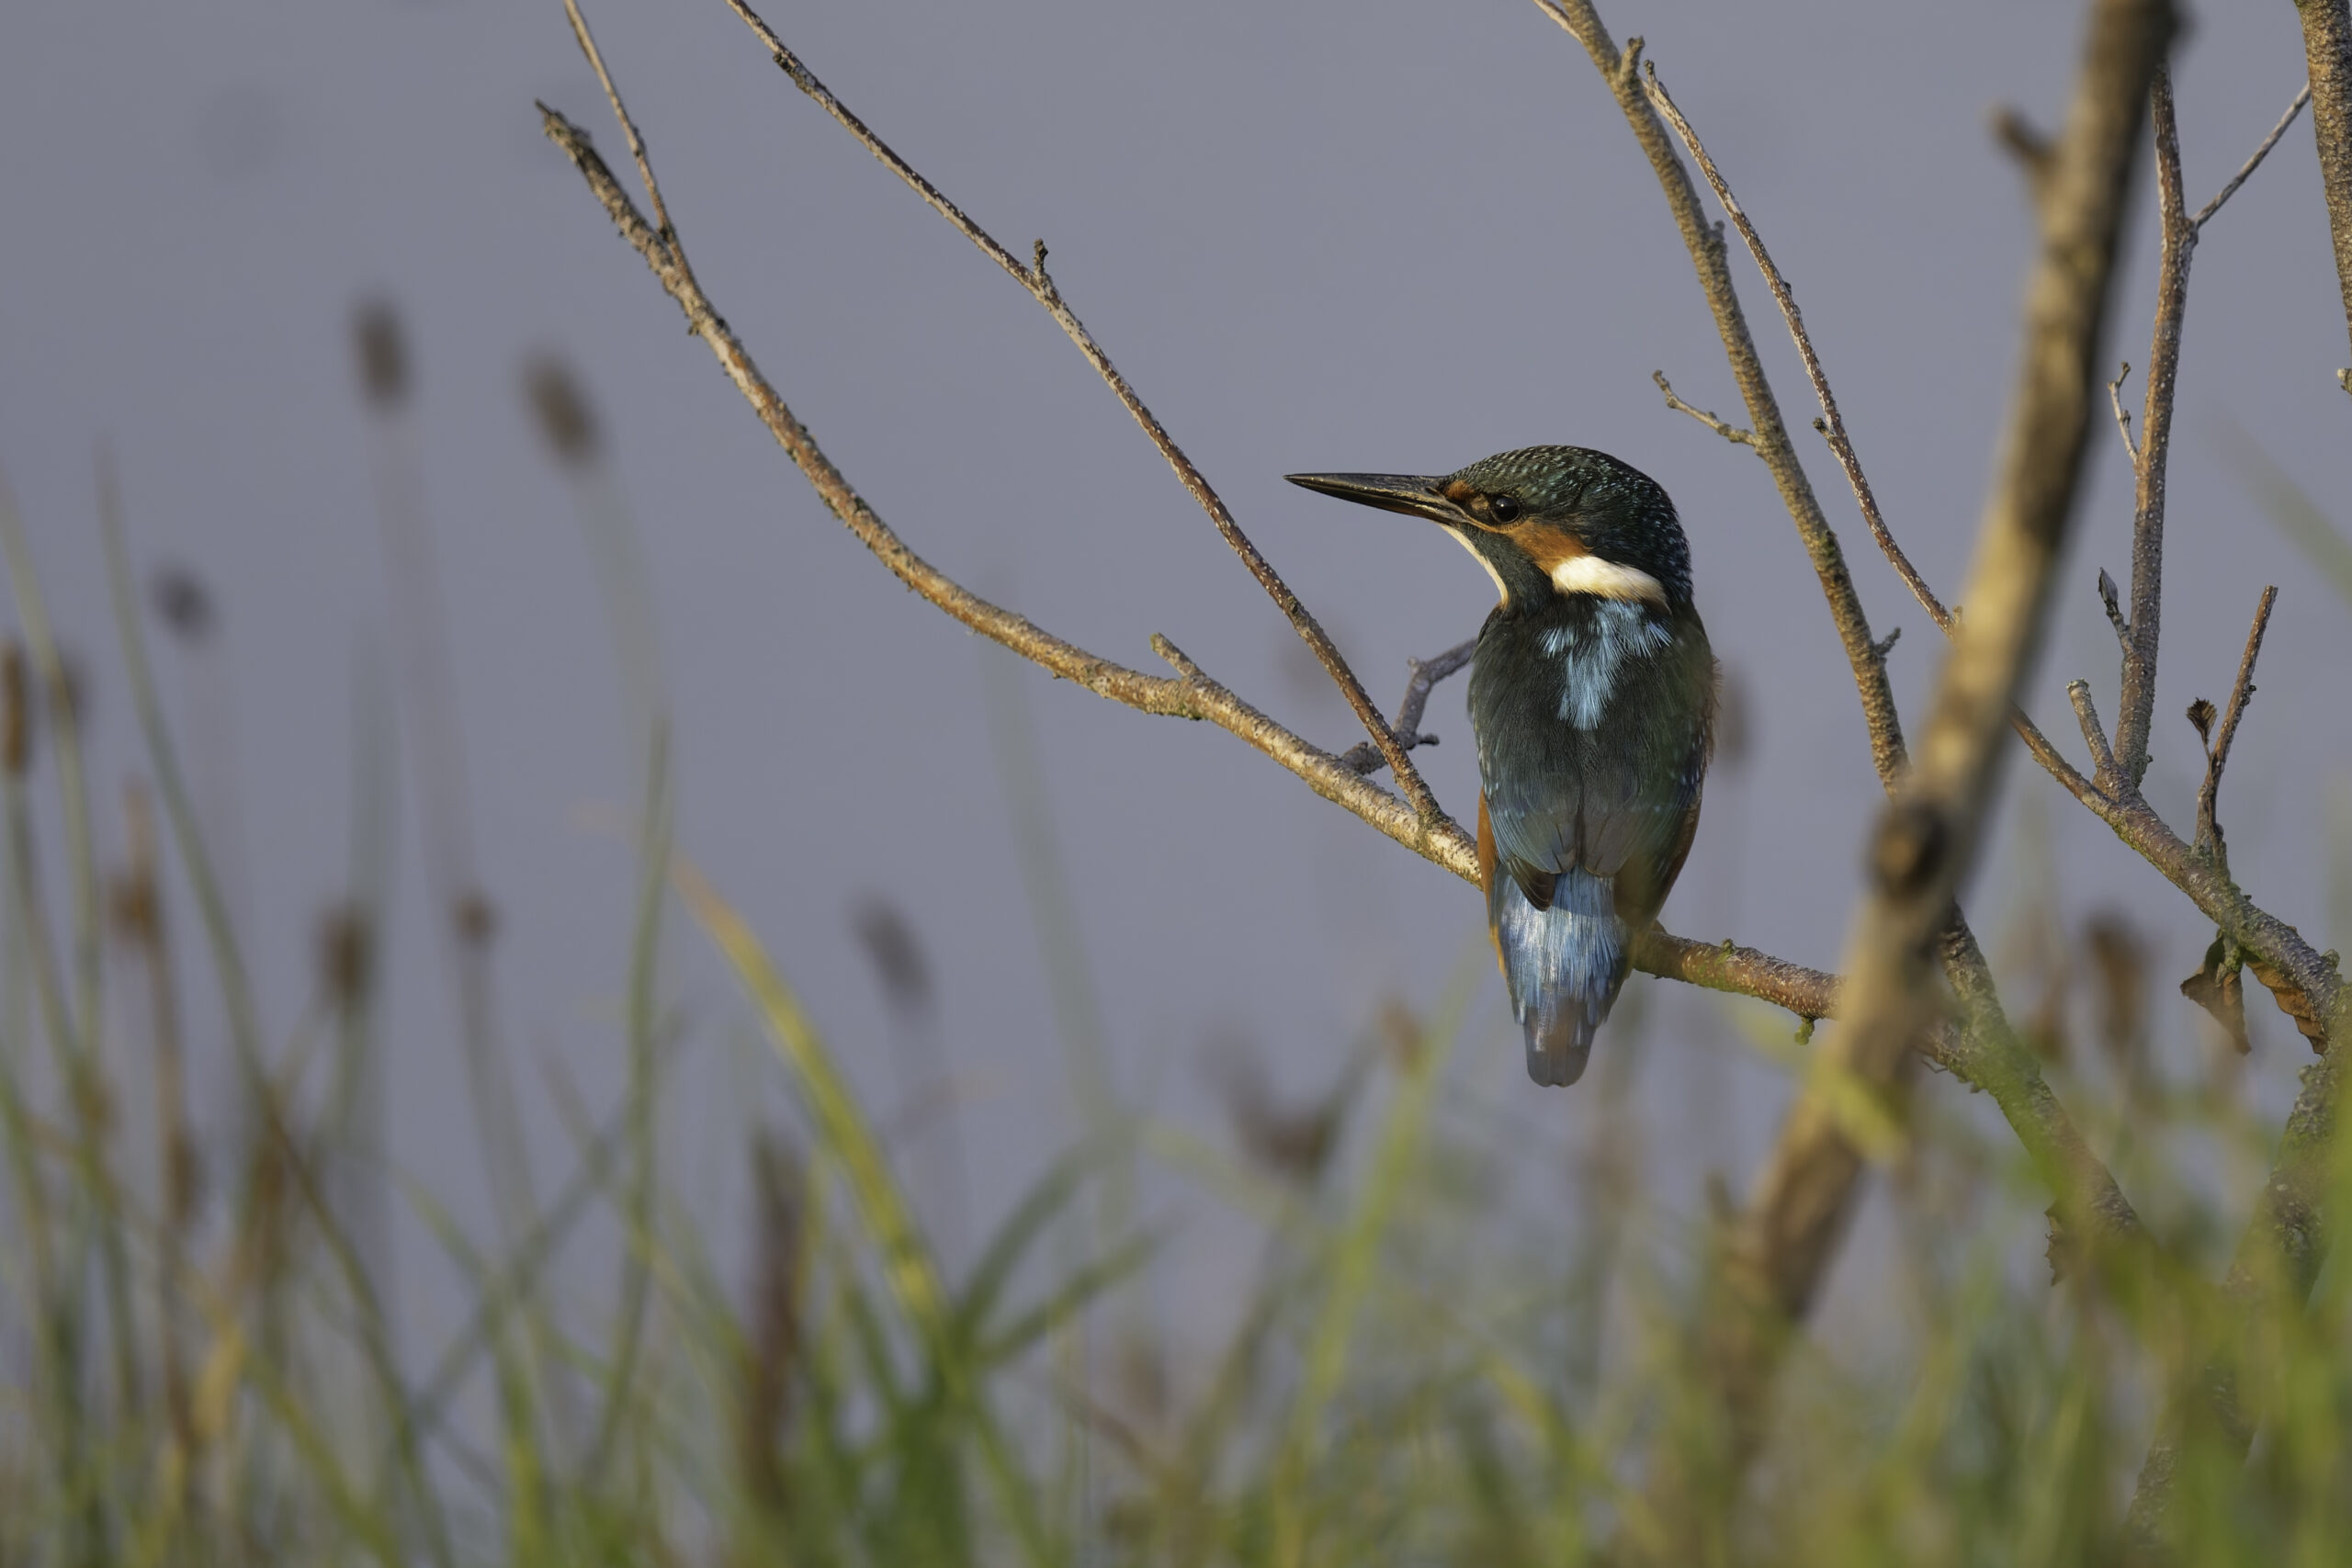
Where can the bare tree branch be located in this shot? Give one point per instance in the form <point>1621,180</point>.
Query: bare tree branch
<point>1042,288</point>
<point>2179,246</point>
<point>2023,140</point>
<point>1833,429</point>
<point>1782,1242</point>
<point>2245,170</point>
<point>1742,971</point>
<point>662,228</point>
<point>1191,693</point>
<point>2327,53</point>
<point>1728,431</point>
<point>2217,754</point>
<point>1363,757</point>
<point>2151,456</point>
<point>1831,424</point>
<point>1770,436</point>
<point>2123,417</point>
<point>2113,605</point>
<point>2114,798</point>
<point>1993,1057</point>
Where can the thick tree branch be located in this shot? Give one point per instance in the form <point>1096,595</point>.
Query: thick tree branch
<point>2327,52</point>
<point>1781,1246</point>
<point>1742,971</point>
<point>1042,288</point>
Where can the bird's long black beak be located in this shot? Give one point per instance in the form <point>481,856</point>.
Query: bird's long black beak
<point>1415,495</point>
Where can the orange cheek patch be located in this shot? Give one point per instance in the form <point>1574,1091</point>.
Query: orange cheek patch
<point>1459,492</point>
<point>1550,547</point>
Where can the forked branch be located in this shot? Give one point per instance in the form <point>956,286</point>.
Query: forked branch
<point>1363,757</point>
<point>2179,231</point>
<point>2217,747</point>
<point>1831,424</point>
<point>1190,692</point>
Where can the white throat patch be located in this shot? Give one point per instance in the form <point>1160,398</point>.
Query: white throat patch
<point>1590,574</point>
<point>1501,592</point>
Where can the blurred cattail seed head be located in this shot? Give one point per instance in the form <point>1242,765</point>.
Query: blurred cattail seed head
<point>896,953</point>
<point>16,710</point>
<point>346,954</point>
<point>184,603</point>
<point>68,694</point>
<point>565,418</point>
<point>383,356</point>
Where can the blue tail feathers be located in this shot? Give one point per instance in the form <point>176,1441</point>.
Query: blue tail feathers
<point>1563,966</point>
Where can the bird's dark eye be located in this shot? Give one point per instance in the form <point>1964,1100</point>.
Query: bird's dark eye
<point>1502,509</point>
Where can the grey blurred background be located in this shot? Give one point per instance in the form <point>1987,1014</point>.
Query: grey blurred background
<point>1314,235</point>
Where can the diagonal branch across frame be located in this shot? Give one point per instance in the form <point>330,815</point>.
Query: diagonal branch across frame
<point>1190,692</point>
<point>1040,284</point>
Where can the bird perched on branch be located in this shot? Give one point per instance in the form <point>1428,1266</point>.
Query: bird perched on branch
<point>1592,700</point>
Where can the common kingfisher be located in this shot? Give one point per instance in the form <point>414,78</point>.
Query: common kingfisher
<point>1592,699</point>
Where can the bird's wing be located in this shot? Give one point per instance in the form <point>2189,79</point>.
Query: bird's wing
<point>1618,799</point>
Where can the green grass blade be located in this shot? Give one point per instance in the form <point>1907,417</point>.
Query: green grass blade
<point>2291,510</point>
<point>845,1135</point>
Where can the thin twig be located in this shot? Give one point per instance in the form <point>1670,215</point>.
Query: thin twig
<point>1042,288</point>
<point>2095,737</point>
<point>662,225</point>
<point>2110,598</point>
<point>1704,243</point>
<point>2245,170</point>
<point>1832,428</point>
<point>2025,141</point>
<point>1831,424</point>
<point>2123,415</point>
<point>2217,755</point>
<point>1363,757</point>
<point>2137,704</point>
<point>2151,459</point>
<point>1728,431</point>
